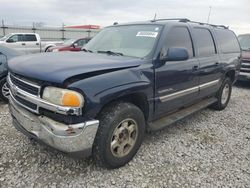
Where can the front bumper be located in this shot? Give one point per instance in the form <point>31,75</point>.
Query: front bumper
<point>67,138</point>
<point>244,76</point>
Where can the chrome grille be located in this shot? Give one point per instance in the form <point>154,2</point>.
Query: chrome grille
<point>245,66</point>
<point>18,83</point>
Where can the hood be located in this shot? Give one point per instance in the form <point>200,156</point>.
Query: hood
<point>246,55</point>
<point>60,46</point>
<point>57,67</point>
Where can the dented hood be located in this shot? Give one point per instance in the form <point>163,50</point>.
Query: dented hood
<point>57,67</point>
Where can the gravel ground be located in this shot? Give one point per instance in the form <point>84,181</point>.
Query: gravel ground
<point>209,149</point>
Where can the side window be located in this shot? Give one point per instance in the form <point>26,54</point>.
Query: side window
<point>228,41</point>
<point>179,37</point>
<point>81,42</point>
<point>30,38</point>
<point>14,38</point>
<point>204,41</point>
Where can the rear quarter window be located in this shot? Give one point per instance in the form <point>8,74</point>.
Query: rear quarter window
<point>30,38</point>
<point>227,41</point>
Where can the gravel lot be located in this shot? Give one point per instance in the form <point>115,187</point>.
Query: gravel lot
<point>209,149</point>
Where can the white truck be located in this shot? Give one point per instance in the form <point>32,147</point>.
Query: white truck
<point>27,42</point>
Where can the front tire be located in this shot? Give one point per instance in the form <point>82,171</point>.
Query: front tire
<point>4,90</point>
<point>223,95</point>
<point>119,136</point>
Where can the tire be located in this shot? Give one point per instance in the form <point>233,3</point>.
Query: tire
<point>4,93</point>
<point>122,124</point>
<point>223,95</point>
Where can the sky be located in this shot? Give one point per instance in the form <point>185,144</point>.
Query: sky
<point>232,13</point>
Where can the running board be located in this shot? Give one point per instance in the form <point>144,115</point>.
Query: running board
<point>178,115</point>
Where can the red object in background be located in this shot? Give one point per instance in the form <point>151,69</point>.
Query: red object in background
<point>246,55</point>
<point>70,45</point>
<point>84,27</point>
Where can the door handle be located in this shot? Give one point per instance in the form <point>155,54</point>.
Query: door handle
<point>37,44</point>
<point>195,67</point>
<point>23,44</point>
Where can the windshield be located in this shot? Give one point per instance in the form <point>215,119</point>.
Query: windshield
<point>130,40</point>
<point>5,37</point>
<point>245,42</point>
<point>69,42</point>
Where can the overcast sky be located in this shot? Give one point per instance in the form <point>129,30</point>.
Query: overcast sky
<point>233,13</point>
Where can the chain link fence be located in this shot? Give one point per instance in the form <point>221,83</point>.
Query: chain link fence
<point>49,33</point>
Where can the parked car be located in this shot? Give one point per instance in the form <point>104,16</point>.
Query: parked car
<point>5,55</point>
<point>245,65</point>
<point>130,78</point>
<point>27,42</point>
<point>70,45</point>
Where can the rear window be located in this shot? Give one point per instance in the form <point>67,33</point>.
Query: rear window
<point>204,41</point>
<point>30,38</point>
<point>228,41</point>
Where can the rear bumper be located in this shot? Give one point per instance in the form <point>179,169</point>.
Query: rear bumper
<point>75,138</point>
<point>244,76</point>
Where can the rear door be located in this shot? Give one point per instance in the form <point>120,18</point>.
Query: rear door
<point>31,43</point>
<point>176,82</point>
<point>210,68</point>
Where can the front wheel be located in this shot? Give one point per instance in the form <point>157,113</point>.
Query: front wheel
<point>119,136</point>
<point>4,90</point>
<point>223,95</point>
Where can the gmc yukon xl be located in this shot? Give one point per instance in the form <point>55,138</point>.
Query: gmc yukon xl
<point>129,79</point>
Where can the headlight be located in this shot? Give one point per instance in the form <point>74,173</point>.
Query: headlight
<point>63,97</point>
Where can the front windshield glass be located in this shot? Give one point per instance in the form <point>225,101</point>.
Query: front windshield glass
<point>5,37</point>
<point>69,42</point>
<point>245,42</point>
<point>129,40</point>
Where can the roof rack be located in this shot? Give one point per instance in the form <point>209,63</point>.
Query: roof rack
<point>187,20</point>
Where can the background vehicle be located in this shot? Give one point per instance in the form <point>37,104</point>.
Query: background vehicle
<point>245,65</point>
<point>70,45</point>
<point>27,42</point>
<point>5,55</point>
<point>130,78</point>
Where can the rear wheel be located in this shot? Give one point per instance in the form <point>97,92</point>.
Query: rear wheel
<point>4,90</point>
<point>119,136</point>
<point>223,95</point>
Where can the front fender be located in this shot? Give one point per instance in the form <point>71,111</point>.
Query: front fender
<point>102,89</point>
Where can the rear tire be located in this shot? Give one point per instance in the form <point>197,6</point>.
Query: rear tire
<point>4,90</point>
<point>119,136</point>
<point>223,95</point>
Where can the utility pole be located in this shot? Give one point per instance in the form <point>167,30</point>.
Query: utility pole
<point>208,18</point>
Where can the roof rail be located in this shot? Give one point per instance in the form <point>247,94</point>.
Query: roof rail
<point>187,20</point>
<point>179,19</point>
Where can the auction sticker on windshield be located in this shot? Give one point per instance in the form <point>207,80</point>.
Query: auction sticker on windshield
<point>147,34</point>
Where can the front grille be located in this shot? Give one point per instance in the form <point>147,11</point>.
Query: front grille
<point>245,66</point>
<point>28,87</point>
<point>17,82</point>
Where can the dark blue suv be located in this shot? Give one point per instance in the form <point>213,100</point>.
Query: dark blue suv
<point>129,79</point>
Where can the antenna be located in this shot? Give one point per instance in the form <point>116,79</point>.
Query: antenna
<point>154,17</point>
<point>209,13</point>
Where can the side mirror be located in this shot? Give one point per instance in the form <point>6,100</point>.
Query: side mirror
<point>10,41</point>
<point>175,54</point>
<point>75,45</point>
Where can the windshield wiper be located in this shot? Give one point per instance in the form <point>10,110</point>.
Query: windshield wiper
<point>110,52</point>
<point>85,50</point>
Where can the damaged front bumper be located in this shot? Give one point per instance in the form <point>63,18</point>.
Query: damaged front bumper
<point>67,138</point>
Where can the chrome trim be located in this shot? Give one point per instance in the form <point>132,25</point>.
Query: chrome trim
<point>209,84</point>
<point>67,138</point>
<point>187,91</point>
<point>28,83</point>
<point>40,102</point>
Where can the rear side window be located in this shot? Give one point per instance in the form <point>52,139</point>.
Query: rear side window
<point>228,41</point>
<point>205,42</point>
<point>30,38</point>
<point>179,37</point>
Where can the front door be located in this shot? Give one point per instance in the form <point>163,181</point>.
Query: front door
<point>176,82</point>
